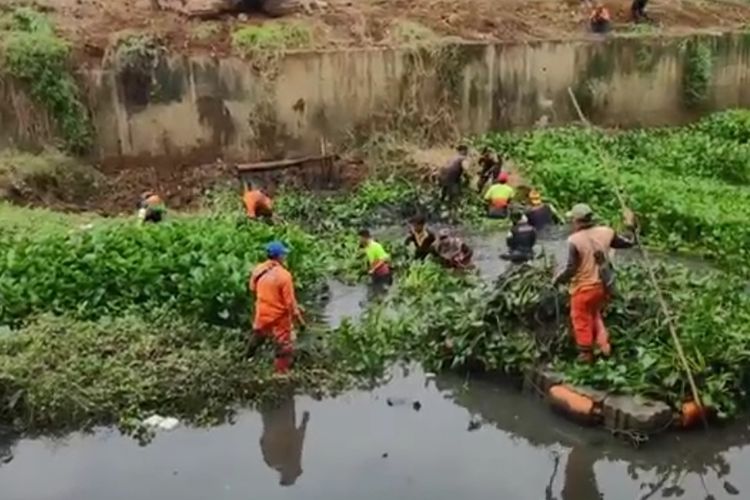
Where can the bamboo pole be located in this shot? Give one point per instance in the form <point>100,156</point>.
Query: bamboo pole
<point>649,267</point>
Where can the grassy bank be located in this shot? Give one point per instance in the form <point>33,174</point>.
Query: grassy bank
<point>106,322</point>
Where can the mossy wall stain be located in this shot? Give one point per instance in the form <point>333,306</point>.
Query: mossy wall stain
<point>226,109</point>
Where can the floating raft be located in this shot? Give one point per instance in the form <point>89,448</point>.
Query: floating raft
<point>616,412</point>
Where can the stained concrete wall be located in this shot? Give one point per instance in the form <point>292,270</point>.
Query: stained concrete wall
<point>196,109</point>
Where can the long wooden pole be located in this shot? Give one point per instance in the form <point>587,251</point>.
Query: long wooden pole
<point>647,262</point>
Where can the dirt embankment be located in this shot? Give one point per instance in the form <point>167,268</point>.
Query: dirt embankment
<point>92,24</point>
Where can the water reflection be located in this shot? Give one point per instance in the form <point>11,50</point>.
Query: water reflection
<point>659,470</point>
<point>363,447</point>
<point>282,441</point>
<point>580,478</point>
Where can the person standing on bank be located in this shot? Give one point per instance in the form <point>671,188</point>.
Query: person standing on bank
<point>591,277</point>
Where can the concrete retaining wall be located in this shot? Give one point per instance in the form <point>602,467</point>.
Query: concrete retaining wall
<point>196,109</point>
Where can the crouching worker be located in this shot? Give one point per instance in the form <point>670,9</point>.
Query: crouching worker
<point>591,277</point>
<point>378,262</point>
<point>600,20</point>
<point>151,208</point>
<point>452,252</point>
<point>498,197</point>
<point>276,307</point>
<point>257,204</point>
<point>521,239</point>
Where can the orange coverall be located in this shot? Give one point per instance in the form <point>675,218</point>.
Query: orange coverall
<point>275,309</point>
<point>257,204</point>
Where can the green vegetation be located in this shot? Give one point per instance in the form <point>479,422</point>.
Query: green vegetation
<point>112,322</point>
<point>272,36</point>
<point>688,185</point>
<point>697,71</point>
<point>31,52</point>
<point>411,32</point>
<point>204,31</point>
<point>138,52</point>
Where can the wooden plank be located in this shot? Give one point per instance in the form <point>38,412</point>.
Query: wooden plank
<point>266,166</point>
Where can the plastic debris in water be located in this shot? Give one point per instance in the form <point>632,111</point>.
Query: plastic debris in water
<point>162,423</point>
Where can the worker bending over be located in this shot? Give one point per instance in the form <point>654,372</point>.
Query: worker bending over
<point>540,214</point>
<point>421,237</point>
<point>257,204</point>
<point>498,197</point>
<point>521,239</point>
<point>276,307</point>
<point>591,277</point>
<point>451,177</point>
<point>600,20</point>
<point>451,251</point>
<point>378,261</point>
<point>151,208</point>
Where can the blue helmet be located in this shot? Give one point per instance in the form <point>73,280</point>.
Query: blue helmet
<point>276,249</point>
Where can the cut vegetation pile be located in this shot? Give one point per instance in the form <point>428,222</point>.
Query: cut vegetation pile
<point>112,322</point>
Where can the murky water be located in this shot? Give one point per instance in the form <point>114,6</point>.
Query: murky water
<point>348,301</point>
<point>417,437</point>
<point>471,440</point>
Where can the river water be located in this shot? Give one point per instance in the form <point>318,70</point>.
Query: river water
<point>416,437</point>
<point>468,439</point>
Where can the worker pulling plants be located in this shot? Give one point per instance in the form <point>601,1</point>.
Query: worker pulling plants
<point>378,262</point>
<point>257,203</point>
<point>276,307</point>
<point>151,208</point>
<point>498,197</point>
<point>451,251</point>
<point>421,237</point>
<point>591,276</point>
<point>521,239</point>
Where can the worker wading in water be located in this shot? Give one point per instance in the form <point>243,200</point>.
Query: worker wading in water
<point>451,251</point>
<point>498,197</point>
<point>521,239</point>
<point>378,262</point>
<point>151,208</point>
<point>276,307</point>
<point>591,278</point>
<point>421,237</point>
<point>540,214</point>
<point>452,176</point>
<point>257,204</point>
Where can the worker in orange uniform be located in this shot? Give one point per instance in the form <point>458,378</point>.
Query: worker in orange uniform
<point>600,20</point>
<point>151,207</point>
<point>275,307</point>
<point>591,277</point>
<point>257,204</point>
